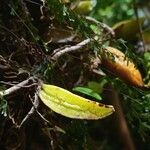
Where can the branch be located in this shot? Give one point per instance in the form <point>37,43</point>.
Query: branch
<point>18,86</point>
<point>31,112</point>
<point>123,127</point>
<point>33,109</point>
<point>102,25</point>
<point>35,104</point>
<point>70,49</point>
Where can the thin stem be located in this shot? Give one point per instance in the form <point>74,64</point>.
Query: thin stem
<point>17,86</point>
<point>70,49</point>
<point>139,24</point>
<point>123,127</point>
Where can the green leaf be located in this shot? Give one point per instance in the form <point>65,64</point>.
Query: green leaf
<point>84,7</point>
<point>73,106</point>
<point>3,107</point>
<point>88,92</point>
<point>97,87</point>
<point>146,36</point>
<point>128,29</point>
<point>147,56</point>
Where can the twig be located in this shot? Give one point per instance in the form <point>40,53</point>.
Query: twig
<point>70,49</point>
<point>80,79</point>
<point>8,83</point>
<point>17,87</point>
<point>13,84</point>
<point>33,2</point>
<point>36,104</point>
<point>33,109</point>
<point>102,25</point>
<point>12,119</point>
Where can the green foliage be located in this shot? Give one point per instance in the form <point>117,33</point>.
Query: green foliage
<point>64,15</point>
<point>108,10</point>
<point>147,57</point>
<point>136,105</point>
<point>97,86</point>
<point>3,107</point>
<point>93,89</point>
<point>147,66</point>
<point>87,91</point>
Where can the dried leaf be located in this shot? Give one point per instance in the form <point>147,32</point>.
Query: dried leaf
<point>73,106</point>
<point>121,66</point>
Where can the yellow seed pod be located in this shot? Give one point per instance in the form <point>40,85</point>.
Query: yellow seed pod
<point>128,29</point>
<point>83,7</point>
<point>146,36</point>
<point>121,66</point>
